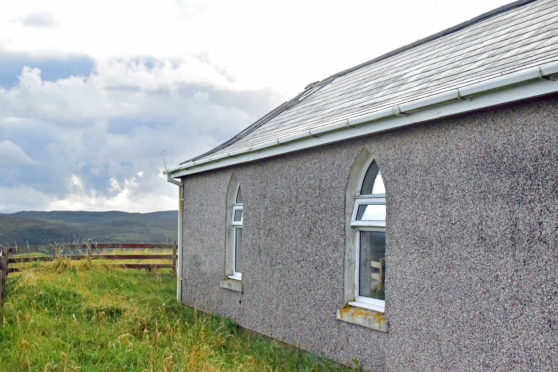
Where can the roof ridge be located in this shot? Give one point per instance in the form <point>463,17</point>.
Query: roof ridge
<point>437,35</point>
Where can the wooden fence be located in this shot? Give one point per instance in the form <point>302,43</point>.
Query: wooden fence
<point>89,251</point>
<point>3,271</point>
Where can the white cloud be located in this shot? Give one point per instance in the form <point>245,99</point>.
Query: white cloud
<point>75,184</point>
<point>72,99</point>
<point>40,20</point>
<point>22,198</point>
<point>166,73</point>
<point>79,196</point>
<point>12,154</point>
<point>283,45</point>
<point>93,143</point>
<point>114,185</point>
<point>118,89</point>
<point>126,196</point>
<point>173,75</point>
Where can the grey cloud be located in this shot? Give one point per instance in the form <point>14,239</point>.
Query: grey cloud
<point>113,138</point>
<point>256,102</point>
<point>40,19</point>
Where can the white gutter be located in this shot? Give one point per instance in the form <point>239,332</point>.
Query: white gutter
<point>518,86</point>
<point>180,185</point>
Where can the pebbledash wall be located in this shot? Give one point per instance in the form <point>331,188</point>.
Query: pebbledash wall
<point>471,244</point>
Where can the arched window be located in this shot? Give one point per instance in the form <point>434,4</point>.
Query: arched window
<point>368,222</point>
<point>236,222</point>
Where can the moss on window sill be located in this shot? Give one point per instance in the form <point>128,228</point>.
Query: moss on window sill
<point>363,317</point>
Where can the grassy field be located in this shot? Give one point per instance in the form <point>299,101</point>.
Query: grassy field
<point>71,316</point>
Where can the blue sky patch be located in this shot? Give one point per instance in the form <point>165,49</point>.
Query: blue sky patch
<point>52,68</point>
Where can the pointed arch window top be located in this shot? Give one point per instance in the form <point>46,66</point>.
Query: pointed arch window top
<point>237,215</point>
<point>238,199</point>
<point>378,187</point>
<point>373,183</point>
<point>370,205</point>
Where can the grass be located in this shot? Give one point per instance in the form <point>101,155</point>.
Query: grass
<point>71,316</point>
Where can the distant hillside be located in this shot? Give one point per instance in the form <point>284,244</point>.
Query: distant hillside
<point>108,227</point>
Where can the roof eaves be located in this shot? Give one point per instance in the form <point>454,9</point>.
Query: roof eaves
<point>270,115</point>
<point>521,85</point>
<point>308,90</point>
<point>316,86</point>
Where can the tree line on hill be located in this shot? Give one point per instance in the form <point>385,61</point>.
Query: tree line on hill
<point>36,228</point>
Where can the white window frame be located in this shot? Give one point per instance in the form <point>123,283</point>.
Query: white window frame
<point>236,225</point>
<point>362,301</point>
<point>237,207</point>
<point>368,200</point>
<point>357,226</point>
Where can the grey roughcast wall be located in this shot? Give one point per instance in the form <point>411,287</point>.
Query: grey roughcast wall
<point>471,244</point>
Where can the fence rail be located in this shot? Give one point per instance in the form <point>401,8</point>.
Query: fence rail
<point>87,251</point>
<point>38,248</point>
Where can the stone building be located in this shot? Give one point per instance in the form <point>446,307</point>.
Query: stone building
<point>402,212</point>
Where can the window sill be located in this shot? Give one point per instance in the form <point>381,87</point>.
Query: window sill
<point>369,303</point>
<point>234,285</point>
<point>363,317</point>
<point>235,276</point>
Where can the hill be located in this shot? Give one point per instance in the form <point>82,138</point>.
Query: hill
<point>103,227</point>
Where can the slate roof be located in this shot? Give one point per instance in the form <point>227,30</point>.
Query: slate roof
<point>511,38</point>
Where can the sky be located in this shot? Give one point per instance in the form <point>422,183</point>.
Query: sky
<point>97,96</point>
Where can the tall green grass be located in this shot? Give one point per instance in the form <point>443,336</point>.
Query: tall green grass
<point>71,316</point>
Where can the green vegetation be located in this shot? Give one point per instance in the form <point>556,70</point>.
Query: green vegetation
<point>36,232</point>
<point>103,227</point>
<point>70,316</point>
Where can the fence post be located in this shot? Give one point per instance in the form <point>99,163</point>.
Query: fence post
<point>174,257</point>
<point>89,251</point>
<point>4,267</point>
<point>2,271</point>
<point>6,255</point>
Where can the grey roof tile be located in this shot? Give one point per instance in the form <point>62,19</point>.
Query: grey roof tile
<point>509,39</point>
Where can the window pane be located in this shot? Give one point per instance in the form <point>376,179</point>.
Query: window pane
<point>371,271</point>
<point>379,185</point>
<point>237,248</point>
<point>371,212</point>
<point>369,178</point>
<point>237,217</point>
<point>238,196</point>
